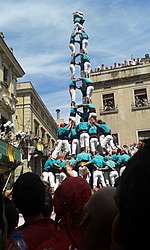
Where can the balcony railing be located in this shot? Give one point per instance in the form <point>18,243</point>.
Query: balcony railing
<point>141,105</point>
<point>108,110</point>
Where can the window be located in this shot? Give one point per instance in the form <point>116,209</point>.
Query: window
<point>140,96</point>
<point>42,115</point>
<point>36,106</point>
<point>48,139</point>
<point>43,134</point>
<point>143,135</point>
<point>108,102</point>
<point>115,139</point>
<point>5,76</point>
<point>36,128</point>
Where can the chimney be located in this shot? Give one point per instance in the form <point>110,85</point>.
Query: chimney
<point>58,113</point>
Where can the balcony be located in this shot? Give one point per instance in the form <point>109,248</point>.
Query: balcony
<point>105,110</point>
<point>141,105</point>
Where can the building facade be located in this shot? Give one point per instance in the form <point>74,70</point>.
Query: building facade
<point>10,70</point>
<point>32,116</point>
<point>122,99</point>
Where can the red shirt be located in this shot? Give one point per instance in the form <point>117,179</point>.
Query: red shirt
<point>36,231</point>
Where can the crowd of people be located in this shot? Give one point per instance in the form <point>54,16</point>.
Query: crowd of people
<point>72,217</point>
<point>125,63</point>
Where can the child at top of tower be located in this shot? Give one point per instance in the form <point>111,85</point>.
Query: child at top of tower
<point>78,19</point>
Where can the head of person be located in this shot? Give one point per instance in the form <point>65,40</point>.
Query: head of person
<point>97,219</point>
<point>130,228</point>
<point>70,198</point>
<point>28,194</point>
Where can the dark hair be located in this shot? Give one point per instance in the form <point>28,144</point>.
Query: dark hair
<point>12,215</point>
<point>134,199</point>
<point>28,194</point>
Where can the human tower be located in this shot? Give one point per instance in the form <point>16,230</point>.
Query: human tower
<point>89,132</point>
<point>80,58</point>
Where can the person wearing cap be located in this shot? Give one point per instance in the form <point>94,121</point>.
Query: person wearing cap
<point>69,200</point>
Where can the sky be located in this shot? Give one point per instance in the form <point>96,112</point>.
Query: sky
<point>39,33</point>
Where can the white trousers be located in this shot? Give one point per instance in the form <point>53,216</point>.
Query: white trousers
<point>98,176</point>
<point>75,146</point>
<point>89,91</point>
<point>93,144</point>
<point>84,43</point>
<point>107,141</point>
<point>72,69</point>
<point>84,140</point>
<point>87,67</point>
<point>73,95</point>
<point>113,175</point>
<point>72,47</point>
<point>61,145</point>
<point>48,177</point>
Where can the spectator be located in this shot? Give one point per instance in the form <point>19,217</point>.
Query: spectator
<point>28,195</point>
<point>97,218</point>
<point>68,205</point>
<point>131,225</point>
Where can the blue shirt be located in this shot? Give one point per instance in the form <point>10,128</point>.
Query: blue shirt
<point>73,134</point>
<point>93,130</point>
<point>49,164</point>
<point>88,81</point>
<point>85,57</point>
<point>72,84</point>
<point>103,129</point>
<point>112,164</point>
<point>83,35</point>
<point>62,132</point>
<point>73,111</point>
<point>83,157</point>
<point>83,126</point>
<point>99,161</point>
